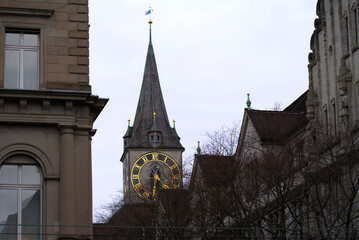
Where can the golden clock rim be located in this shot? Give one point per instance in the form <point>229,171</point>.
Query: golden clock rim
<point>139,180</point>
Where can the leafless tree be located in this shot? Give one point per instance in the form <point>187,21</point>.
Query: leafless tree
<point>277,107</point>
<point>222,142</point>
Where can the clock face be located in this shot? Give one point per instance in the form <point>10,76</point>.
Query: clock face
<point>152,172</point>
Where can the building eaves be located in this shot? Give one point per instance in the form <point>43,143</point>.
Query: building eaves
<point>276,126</point>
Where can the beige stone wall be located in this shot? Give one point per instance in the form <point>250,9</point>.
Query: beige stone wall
<point>55,131</point>
<point>64,39</point>
<point>249,141</point>
<point>53,125</point>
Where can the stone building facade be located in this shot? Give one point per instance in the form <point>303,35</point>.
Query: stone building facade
<point>47,112</point>
<point>333,97</point>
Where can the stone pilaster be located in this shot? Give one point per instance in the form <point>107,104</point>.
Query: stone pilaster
<point>67,183</point>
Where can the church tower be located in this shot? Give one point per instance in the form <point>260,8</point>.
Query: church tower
<point>152,157</point>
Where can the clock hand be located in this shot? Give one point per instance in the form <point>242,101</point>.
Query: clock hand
<point>156,177</point>
<point>163,185</point>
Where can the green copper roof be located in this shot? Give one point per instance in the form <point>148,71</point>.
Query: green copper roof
<point>249,103</point>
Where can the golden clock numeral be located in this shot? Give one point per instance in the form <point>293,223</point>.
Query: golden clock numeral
<point>177,177</point>
<point>135,176</point>
<point>138,187</point>
<point>173,166</point>
<point>137,166</point>
<point>145,159</point>
<point>154,156</point>
<point>146,194</point>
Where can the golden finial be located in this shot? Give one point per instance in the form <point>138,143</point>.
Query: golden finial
<point>154,114</point>
<point>129,121</point>
<point>174,122</point>
<point>150,22</point>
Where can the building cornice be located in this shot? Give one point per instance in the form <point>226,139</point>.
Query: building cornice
<point>26,12</point>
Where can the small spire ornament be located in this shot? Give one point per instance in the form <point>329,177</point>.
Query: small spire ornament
<point>198,149</point>
<point>248,102</point>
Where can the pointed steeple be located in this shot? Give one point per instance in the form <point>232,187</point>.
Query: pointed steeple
<point>151,114</point>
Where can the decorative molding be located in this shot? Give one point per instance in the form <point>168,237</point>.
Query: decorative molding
<point>27,12</point>
<point>32,151</point>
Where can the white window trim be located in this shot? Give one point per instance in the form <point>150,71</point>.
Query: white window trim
<point>22,48</point>
<point>19,187</point>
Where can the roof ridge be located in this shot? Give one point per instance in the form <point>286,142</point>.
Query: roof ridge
<point>276,112</point>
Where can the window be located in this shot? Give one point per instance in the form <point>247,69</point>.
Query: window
<point>20,205</point>
<point>334,117</point>
<point>155,138</point>
<point>347,39</point>
<point>22,60</point>
<point>326,119</point>
<point>356,26</point>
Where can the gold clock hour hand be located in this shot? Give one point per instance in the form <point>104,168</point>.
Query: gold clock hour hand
<point>157,178</point>
<point>165,186</point>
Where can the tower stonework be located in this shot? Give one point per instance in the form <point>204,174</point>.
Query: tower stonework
<point>152,157</point>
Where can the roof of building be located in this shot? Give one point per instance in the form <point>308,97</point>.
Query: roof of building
<point>150,108</point>
<point>174,201</point>
<point>132,215</point>
<point>216,171</point>
<point>129,221</point>
<point>276,125</point>
<point>299,104</point>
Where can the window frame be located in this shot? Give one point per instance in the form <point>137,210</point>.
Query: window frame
<point>346,26</point>
<point>19,187</point>
<point>22,48</point>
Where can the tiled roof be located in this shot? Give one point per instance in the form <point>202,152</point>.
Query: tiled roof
<point>132,215</point>
<point>150,101</point>
<point>129,220</point>
<point>216,170</point>
<point>174,201</point>
<point>276,125</point>
<point>298,105</point>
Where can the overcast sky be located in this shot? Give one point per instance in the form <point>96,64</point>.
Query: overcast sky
<point>209,53</point>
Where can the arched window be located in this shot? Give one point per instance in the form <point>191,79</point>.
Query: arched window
<point>20,194</point>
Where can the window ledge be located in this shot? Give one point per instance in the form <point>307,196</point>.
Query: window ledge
<point>354,49</point>
<point>28,12</point>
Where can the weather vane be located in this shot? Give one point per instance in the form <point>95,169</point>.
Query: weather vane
<point>150,22</point>
<point>150,13</point>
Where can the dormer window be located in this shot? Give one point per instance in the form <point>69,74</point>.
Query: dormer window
<point>155,138</point>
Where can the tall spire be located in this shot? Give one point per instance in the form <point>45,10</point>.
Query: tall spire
<point>150,102</point>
